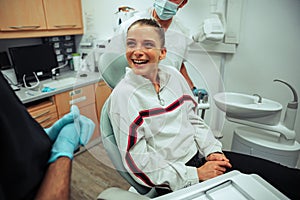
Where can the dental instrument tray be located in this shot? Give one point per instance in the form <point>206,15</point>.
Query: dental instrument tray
<point>232,185</point>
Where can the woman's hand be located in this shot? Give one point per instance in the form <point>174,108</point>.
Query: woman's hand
<point>212,169</point>
<point>217,157</point>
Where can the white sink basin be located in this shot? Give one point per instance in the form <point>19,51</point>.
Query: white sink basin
<point>61,82</point>
<point>246,107</point>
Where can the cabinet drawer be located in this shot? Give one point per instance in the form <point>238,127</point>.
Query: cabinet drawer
<point>46,117</point>
<point>81,97</point>
<point>43,112</point>
<point>49,121</point>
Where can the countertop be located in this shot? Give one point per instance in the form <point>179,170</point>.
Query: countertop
<point>29,95</point>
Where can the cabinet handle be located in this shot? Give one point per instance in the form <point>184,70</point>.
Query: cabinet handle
<point>44,120</point>
<point>41,114</point>
<point>65,26</point>
<point>24,27</point>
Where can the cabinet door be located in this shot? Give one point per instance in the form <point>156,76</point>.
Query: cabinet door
<point>81,97</point>
<point>102,93</point>
<point>19,15</point>
<point>64,14</point>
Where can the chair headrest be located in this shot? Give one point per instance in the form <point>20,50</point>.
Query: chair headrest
<point>112,67</point>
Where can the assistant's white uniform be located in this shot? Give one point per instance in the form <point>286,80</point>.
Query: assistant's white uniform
<point>157,133</point>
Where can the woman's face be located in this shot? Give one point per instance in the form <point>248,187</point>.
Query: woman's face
<point>143,50</point>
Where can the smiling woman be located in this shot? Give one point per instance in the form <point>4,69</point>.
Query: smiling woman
<point>145,48</point>
<point>149,110</point>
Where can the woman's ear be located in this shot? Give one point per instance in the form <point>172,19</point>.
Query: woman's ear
<point>163,53</point>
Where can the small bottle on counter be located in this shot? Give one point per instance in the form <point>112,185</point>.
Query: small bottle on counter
<point>76,61</point>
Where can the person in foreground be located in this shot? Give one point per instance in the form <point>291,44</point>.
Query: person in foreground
<point>36,162</point>
<point>162,142</point>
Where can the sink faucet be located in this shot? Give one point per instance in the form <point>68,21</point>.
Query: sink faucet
<point>259,98</point>
<point>54,70</point>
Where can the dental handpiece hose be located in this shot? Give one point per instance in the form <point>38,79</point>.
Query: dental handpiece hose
<point>291,110</point>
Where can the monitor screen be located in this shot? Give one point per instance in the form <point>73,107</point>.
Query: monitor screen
<point>38,59</point>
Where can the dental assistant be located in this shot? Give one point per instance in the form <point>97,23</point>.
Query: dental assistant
<point>154,121</point>
<point>177,36</point>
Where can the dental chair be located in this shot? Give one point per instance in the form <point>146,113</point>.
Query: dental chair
<point>112,68</point>
<point>232,185</point>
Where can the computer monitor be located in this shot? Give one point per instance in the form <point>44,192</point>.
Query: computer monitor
<point>38,59</point>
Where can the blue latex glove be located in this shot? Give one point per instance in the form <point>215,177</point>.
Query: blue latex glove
<point>197,91</point>
<point>71,136</point>
<point>53,131</point>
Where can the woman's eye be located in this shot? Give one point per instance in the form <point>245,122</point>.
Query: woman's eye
<point>149,45</point>
<point>130,44</point>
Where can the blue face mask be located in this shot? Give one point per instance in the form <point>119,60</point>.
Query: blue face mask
<point>165,9</point>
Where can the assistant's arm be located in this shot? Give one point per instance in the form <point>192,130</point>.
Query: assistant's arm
<point>185,74</point>
<point>56,183</point>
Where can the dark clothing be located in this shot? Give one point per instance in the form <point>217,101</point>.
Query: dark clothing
<point>24,148</point>
<point>283,178</point>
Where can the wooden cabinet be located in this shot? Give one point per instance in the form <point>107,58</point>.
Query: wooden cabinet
<point>63,14</point>
<point>44,113</point>
<point>84,98</point>
<point>102,93</point>
<point>18,15</point>
<point>89,100</point>
<point>40,18</point>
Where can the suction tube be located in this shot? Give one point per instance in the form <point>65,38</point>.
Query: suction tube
<point>291,110</point>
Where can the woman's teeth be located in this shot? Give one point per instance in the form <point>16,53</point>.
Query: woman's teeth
<point>139,62</point>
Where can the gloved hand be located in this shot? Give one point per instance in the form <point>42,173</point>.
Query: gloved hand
<point>71,136</point>
<point>53,131</point>
<point>197,91</point>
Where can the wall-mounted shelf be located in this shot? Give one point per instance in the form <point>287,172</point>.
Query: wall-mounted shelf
<point>212,48</point>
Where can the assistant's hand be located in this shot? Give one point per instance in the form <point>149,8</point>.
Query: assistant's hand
<point>212,169</point>
<point>71,136</point>
<point>201,92</point>
<point>53,131</point>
